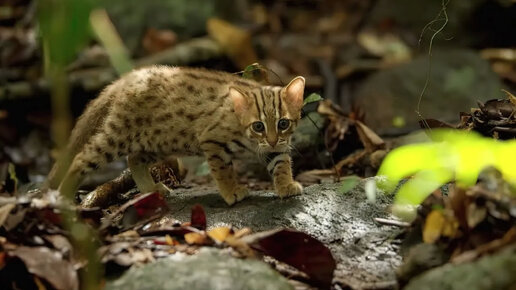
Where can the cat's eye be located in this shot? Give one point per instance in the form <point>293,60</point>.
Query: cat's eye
<point>283,124</point>
<point>258,126</point>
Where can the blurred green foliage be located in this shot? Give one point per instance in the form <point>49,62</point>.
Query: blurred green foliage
<point>64,27</point>
<point>453,155</point>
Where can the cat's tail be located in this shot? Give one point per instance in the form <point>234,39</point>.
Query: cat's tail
<point>87,125</point>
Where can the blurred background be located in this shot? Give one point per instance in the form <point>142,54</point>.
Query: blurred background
<point>370,58</point>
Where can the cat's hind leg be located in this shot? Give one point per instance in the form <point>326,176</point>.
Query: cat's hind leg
<point>95,154</point>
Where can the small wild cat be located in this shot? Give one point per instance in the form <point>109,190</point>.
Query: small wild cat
<point>155,112</point>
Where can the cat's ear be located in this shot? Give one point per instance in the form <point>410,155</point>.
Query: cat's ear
<point>294,93</point>
<point>240,103</point>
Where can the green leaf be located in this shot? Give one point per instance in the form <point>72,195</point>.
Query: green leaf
<point>12,176</point>
<point>348,183</point>
<point>312,98</point>
<point>256,72</point>
<point>453,155</point>
<point>64,28</point>
<point>108,36</point>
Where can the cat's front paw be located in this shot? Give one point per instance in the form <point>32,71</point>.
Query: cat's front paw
<point>161,188</point>
<point>293,188</point>
<point>239,193</point>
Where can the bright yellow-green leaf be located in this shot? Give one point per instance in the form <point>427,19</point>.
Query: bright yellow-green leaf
<point>453,156</point>
<point>12,175</point>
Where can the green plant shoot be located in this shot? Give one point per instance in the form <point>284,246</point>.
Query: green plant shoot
<point>453,155</point>
<point>313,97</point>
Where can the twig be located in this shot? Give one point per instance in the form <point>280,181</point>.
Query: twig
<point>389,222</point>
<point>444,4</point>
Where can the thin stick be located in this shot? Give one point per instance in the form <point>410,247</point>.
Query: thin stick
<point>444,4</point>
<point>389,222</point>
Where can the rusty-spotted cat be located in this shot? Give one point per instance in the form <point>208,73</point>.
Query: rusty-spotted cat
<point>154,112</point>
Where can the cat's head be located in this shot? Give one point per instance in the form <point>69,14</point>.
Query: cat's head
<point>269,114</point>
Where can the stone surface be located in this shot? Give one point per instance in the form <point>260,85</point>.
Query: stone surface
<point>490,272</point>
<point>209,269</point>
<point>459,78</point>
<point>366,252</point>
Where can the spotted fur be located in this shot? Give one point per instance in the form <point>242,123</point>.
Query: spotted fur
<point>158,111</point>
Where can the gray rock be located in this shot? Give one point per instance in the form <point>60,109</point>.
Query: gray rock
<point>413,16</point>
<point>186,18</point>
<point>209,269</point>
<point>458,79</point>
<point>490,272</point>
<point>366,253</point>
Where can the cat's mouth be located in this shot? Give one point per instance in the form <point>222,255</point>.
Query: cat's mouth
<point>266,148</point>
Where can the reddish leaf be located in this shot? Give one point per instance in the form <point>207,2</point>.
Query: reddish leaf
<point>49,215</point>
<point>298,250</point>
<point>198,218</point>
<point>143,207</point>
<point>150,205</point>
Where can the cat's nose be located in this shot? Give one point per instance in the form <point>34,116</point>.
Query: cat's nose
<point>272,141</point>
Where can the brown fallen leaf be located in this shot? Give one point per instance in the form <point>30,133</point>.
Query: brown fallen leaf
<point>495,245</point>
<point>235,41</point>
<point>156,40</point>
<point>48,265</point>
<point>433,123</point>
<point>315,176</point>
<point>475,214</point>
<point>4,212</point>
<point>299,250</point>
<point>370,140</point>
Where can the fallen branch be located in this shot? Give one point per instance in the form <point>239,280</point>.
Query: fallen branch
<point>94,79</point>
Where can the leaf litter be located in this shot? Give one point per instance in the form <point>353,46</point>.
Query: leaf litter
<point>138,232</point>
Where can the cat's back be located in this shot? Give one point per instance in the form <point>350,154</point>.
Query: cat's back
<point>161,79</point>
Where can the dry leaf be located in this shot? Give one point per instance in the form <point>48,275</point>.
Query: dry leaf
<point>156,40</point>
<point>242,232</point>
<point>196,239</point>
<point>475,214</point>
<point>236,42</point>
<point>219,234</point>
<point>299,250</point>
<point>4,212</point>
<point>370,140</point>
<point>48,265</point>
<point>240,246</point>
<point>171,241</point>
<point>315,176</point>
<point>434,224</point>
